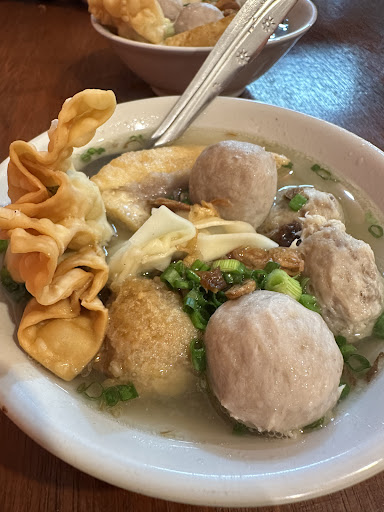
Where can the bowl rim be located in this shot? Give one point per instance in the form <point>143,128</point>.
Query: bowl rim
<point>104,31</point>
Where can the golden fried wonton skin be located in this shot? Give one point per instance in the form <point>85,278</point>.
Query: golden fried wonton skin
<point>56,226</point>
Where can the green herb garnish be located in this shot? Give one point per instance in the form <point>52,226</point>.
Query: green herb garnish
<point>289,165</point>
<point>279,281</point>
<point>297,202</point>
<point>346,390</point>
<point>324,174</point>
<point>376,230</point>
<point>198,357</point>
<point>355,362</point>
<point>87,155</point>
<point>110,395</point>
<point>310,302</point>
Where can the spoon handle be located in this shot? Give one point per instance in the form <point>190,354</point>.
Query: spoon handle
<point>241,42</point>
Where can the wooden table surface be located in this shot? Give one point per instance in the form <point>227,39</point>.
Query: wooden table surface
<point>49,51</point>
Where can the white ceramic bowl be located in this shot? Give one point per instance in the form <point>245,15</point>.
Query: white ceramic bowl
<point>208,470</point>
<point>168,70</point>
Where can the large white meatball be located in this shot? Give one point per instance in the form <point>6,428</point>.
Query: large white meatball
<point>240,173</point>
<point>343,277</point>
<point>195,15</point>
<point>273,364</point>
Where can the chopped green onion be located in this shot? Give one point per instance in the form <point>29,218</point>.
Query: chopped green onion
<point>280,281</point>
<point>310,302</point>
<point>341,341</point>
<point>3,245</point>
<point>289,165</point>
<point>199,319</point>
<point>347,350</point>
<point>376,230</point>
<point>192,276</point>
<point>270,266</point>
<point>15,289</point>
<point>87,155</point>
<point>232,278</point>
<point>127,392</point>
<point>304,281</point>
<point>378,328</point>
<point>345,391</point>
<point>358,363</point>
<point>239,429</point>
<point>297,202</point>
<point>232,266</point>
<point>170,275</point>
<point>198,357</point>
<point>323,173</point>
<point>181,284</point>
<point>199,265</point>
<point>111,395</point>
<point>316,424</point>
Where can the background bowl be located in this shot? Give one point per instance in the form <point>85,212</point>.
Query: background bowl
<point>168,70</point>
<point>195,467</point>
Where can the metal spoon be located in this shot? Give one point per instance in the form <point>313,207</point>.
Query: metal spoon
<point>240,43</point>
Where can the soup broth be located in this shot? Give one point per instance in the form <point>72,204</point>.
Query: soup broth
<point>192,417</point>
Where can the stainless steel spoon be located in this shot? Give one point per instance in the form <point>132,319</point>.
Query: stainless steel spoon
<point>241,42</point>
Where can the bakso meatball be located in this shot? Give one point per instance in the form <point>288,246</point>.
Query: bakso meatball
<point>343,277</point>
<point>273,364</point>
<point>240,174</point>
<point>171,8</point>
<point>148,339</point>
<point>283,221</point>
<point>194,15</point>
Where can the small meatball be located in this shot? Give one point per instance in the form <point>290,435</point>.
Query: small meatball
<point>281,215</point>
<point>171,8</point>
<point>343,277</point>
<point>194,15</point>
<point>273,364</point>
<point>242,173</point>
<point>148,339</point>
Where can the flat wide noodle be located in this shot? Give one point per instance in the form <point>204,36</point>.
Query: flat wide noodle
<point>56,225</point>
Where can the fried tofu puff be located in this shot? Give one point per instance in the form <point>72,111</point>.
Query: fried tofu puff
<point>148,339</point>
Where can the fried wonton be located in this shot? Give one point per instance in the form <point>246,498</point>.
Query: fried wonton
<point>204,35</point>
<point>56,225</point>
<point>129,182</point>
<point>136,19</point>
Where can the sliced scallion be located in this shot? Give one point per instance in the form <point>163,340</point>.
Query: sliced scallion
<point>297,202</point>
<point>239,429</point>
<point>232,266</point>
<point>376,230</point>
<point>199,265</point>
<point>358,363</point>
<point>346,390</point>
<point>270,266</point>
<point>310,302</point>
<point>198,357</point>
<point>316,424</point>
<point>280,281</point>
<point>323,173</point>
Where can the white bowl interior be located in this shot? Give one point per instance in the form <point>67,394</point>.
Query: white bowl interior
<point>235,471</point>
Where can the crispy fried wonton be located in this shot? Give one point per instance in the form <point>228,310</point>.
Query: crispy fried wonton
<point>56,225</point>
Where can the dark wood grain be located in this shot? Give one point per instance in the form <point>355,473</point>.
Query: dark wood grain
<point>49,51</point>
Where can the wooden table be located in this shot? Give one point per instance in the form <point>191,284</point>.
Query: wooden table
<point>49,51</point>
